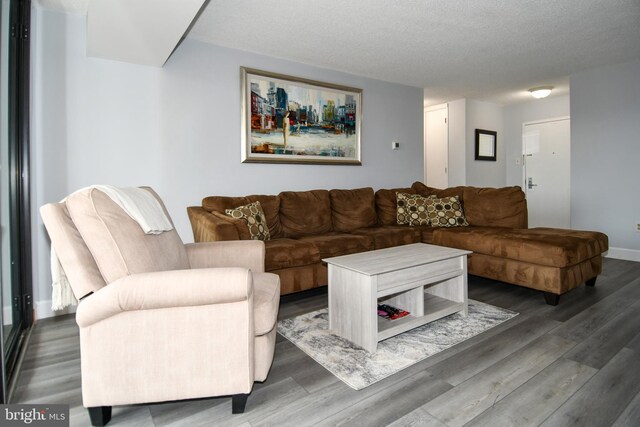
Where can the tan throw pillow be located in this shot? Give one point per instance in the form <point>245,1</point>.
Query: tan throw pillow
<point>446,212</point>
<point>412,209</point>
<point>253,215</point>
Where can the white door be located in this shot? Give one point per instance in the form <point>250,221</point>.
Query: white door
<point>436,148</point>
<point>547,172</point>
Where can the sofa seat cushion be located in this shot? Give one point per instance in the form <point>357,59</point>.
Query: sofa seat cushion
<point>352,209</point>
<point>543,246</point>
<point>337,244</point>
<point>426,233</point>
<point>266,300</point>
<point>390,235</point>
<point>286,253</point>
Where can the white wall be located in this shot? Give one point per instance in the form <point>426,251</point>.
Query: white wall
<point>457,142</point>
<point>605,154</point>
<point>177,128</point>
<point>482,173</point>
<point>513,118</point>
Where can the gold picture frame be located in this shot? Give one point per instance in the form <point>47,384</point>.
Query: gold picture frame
<point>289,119</point>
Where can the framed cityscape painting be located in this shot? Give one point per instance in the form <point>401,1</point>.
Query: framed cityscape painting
<point>294,120</point>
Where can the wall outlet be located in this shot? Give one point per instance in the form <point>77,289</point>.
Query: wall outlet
<point>395,145</point>
<point>638,228</point>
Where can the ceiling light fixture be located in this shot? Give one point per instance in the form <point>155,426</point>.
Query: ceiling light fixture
<point>540,91</point>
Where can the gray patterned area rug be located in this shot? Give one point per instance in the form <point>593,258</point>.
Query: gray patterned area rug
<point>359,368</point>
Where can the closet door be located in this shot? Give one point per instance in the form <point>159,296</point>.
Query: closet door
<point>436,147</point>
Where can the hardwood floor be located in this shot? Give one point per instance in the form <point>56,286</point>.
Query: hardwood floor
<point>574,364</point>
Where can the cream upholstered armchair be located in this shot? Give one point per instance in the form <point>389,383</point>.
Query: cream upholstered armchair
<point>160,320</point>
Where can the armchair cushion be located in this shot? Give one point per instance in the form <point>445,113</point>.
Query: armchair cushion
<point>116,241</point>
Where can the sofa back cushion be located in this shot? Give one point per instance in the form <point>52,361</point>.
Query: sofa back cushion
<point>486,207</point>
<point>496,207</point>
<point>305,212</point>
<point>387,205</point>
<point>222,203</point>
<point>117,243</point>
<point>270,206</point>
<point>426,191</point>
<point>353,209</point>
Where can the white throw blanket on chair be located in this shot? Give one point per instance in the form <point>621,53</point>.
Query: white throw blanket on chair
<point>140,205</point>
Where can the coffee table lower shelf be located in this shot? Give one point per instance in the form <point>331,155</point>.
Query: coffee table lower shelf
<point>434,308</point>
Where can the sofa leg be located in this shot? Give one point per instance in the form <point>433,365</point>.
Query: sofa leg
<point>591,282</point>
<point>100,415</point>
<point>238,402</point>
<point>551,299</point>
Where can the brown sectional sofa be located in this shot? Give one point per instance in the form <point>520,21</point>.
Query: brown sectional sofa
<point>307,226</point>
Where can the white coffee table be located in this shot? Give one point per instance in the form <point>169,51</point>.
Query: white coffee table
<point>428,281</point>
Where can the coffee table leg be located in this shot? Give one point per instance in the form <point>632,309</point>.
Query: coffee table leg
<point>352,307</point>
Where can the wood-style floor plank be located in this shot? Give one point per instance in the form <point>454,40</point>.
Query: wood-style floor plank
<point>604,397</point>
<point>526,406</point>
<point>598,349</point>
<point>469,399</point>
<point>462,366</point>
<point>574,364</point>
<point>631,415</point>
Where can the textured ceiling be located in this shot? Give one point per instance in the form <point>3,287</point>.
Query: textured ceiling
<point>482,49</point>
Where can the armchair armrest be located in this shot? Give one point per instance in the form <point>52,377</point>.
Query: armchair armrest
<point>238,253</point>
<point>166,289</point>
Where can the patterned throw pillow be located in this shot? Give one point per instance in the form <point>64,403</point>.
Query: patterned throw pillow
<point>253,215</point>
<point>412,209</point>
<point>446,212</point>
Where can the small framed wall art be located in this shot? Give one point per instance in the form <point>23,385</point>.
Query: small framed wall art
<point>486,143</point>
<point>288,119</point>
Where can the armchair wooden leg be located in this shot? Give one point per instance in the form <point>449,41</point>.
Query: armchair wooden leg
<point>100,415</point>
<point>591,282</point>
<point>238,402</point>
<point>551,299</point>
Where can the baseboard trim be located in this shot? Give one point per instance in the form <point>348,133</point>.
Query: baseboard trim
<point>43,310</point>
<point>625,254</point>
